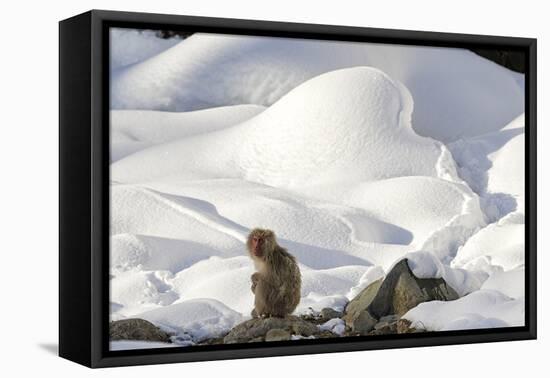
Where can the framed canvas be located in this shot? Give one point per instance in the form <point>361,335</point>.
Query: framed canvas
<point>235,188</point>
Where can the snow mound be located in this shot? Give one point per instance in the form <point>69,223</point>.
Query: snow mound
<point>480,309</point>
<point>200,318</point>
<point>136,291</point>
<point>129,251</point>
<point>286,145</point>
<point>228,281</point>
<point>336,325</point>
<point>133,130</point>
<point>508,253</point>
<point>329,282</point>
<point>371,134</point>
<point>225,280</point>
<point>143,211</point>
<point>510,283</point>
<point>457,93</point>
<point>426,206</point>
<point>493,166</point>
<point>300,219</point>
<point>508,172</point>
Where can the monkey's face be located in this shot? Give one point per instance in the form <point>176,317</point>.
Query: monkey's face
<point>257,243</point>
<point>260,243</point>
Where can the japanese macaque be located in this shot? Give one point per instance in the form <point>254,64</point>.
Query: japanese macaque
<point>276,284</point>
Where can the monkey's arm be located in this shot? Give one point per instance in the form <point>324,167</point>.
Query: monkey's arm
<point>254,278</point>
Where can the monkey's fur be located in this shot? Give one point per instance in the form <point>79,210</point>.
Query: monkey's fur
<point>276,284</point>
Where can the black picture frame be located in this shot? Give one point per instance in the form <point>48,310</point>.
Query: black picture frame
<point>84,189</point>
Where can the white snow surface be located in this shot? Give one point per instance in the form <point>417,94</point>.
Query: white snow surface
<point>356,155</point>
<point>501,243</point>
<point>457,93</point>
<point>336,325</point>
<point>481,309</point>
<point>131,130</point>
<point>129,46</point>
<point>200,318</point>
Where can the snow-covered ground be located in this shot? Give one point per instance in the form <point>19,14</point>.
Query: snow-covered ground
<point>356,155</point>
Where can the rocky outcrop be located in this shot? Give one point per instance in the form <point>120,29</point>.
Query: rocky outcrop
<point>136,329</point>
<point>271,329</point>
<point>396,294</point>
<point>393,326</point>
<point>329,313</point>
<point>376,310</point>
<point>357,316</point>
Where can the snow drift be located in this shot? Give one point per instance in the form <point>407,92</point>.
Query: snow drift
<point>457,93</point>
<point>286,145</point>
<point>131,130</point>
<point>357,155</point>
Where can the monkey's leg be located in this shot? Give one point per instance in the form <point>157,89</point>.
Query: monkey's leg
<point>262,297</point>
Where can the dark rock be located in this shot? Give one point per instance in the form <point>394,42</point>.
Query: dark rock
<point>213,341</point>
<point>326,335</point>
<point>394,326</point>
<point>257,329</point>
<point>386,326</point>
<point>356,316</point>
<point>363,323</point>
<point>277,334</point>
<point>329,313</point>
<point>388,329</point>
<point>136,329</point>
<point>404,326</point>
<point>389,318</point>
<point>399,292</point>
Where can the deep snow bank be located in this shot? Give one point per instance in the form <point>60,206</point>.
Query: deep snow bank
<point>347,206</point>
<point>286,149</point>
<point>133,130</point>
<point>441,214</point>
<point>481,309</point>
<point>370,135</point>
<point>200,318</point>
<point>500,244</point>
<point>493,165</point>
<point>457,93</point>
<point>286,145</point>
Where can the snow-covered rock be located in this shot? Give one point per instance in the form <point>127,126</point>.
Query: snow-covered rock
<point>394,295</point>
